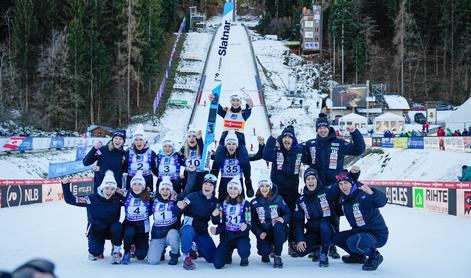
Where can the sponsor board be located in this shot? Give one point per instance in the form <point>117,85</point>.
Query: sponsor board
<point>400,142</point>
<point>82,189</point>
<point>15,195</point>
<point>399,195</point>
<point>387,142</point>
<point>24,192</point>
<point>436,200</point>
<point>463,202</point>
<point>431,143</point>
<point>52,192</point>
<point>467,144</point>
<point>57,142</point>
<point>368,141</point>
<point>415,143</point>
<point>419,198</point>
<point>454,143</point>
<point>377,141</point>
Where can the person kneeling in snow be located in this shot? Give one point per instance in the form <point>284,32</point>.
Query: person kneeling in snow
<point>234,226</point>
<point>270,218</point>
<point>165,231</point>
<point>369,231</point>
<point>199,208</point>
<point>136,222</point>
<point>103,211</point>
<point>231,167</point>
<point>315,213</point>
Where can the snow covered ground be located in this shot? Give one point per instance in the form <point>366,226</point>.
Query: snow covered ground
<point>421,244</point>
<point>414,165</point>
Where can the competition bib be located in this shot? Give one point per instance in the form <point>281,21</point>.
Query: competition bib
<point>324,205</point>
<point>233,215</point>
<point>230,168</point>
<point>136,209</point>
<point>168,167</point>
<point>140,162</point>
<point>357,215</point>
<point>194,160</point>
<point>163,214</point>
<point>234,121</point>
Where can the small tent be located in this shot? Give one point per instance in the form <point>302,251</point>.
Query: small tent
<point>388,121</point>
<point>358,121</point>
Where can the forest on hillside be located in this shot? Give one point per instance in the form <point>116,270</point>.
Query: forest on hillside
<point>71,63</point>
<point>418,48</point>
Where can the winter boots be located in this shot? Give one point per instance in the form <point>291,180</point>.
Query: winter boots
<point>116,255</point>
<point>354,259</point>
<point>315,254</point>
<point>266,259</point>
<point>188,263</point>
<point>333,252</point>
<point>323,260</point>
<point>277,262</point>
<point>244,261</point>
<point>126,258</point>
<point>374,260</point>
<point>173,259</point>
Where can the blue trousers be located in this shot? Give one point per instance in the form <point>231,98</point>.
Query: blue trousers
<point>204,242</point>
<point>276,237</point>
<point>358,242</point>
<point>225,246</point>
<point>321,235</point>
<point>140,240</point>
<point>96,238</point>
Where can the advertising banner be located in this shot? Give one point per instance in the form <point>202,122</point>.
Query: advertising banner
<point>81,151</point>
<point>24,192</point>
<point>419,199</point>
<point>26,145</point>
<point>463,202</point>
<point>368,141</point>
<point>15,195</point>
<point>400,142</point>
<point>13,143</point>
<point>454,143</point>
<point>436,200</point>
<point>433,143</point>
<point>57,142</point>
<point>467,144</point>
<point>415,143</point>
<point>52,192</point>
<point>387,142</point>
<point>66,168</point>
<point>377,141</point>
<point>397,195</point>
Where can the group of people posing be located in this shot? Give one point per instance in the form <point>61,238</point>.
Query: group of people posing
<point>176,213</point>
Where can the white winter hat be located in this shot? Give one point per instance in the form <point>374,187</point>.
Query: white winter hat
<point>235,95</point>
<point>265,179</point>
<point>191,131</point>
<point>166,183</point>
<point>235,182</point>
<point>139,179</point>
<point>231,138</point>
<point>108,181</point>
<point>167,141</point>
<point>139,133</point>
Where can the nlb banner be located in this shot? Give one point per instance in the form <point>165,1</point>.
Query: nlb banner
<point>25,192</point>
